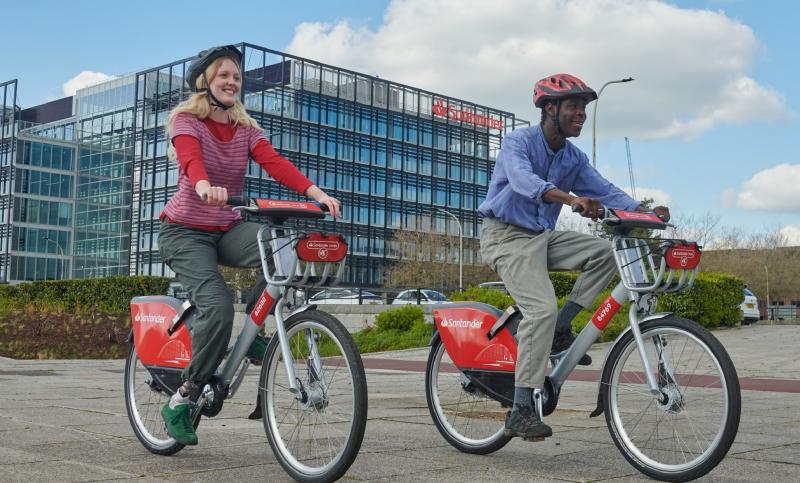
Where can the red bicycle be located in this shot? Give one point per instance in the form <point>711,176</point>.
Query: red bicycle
<point>312,389</point>
<point>668,388</point>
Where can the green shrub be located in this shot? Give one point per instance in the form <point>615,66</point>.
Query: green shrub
<point>491,296</point>
<point>399,319</point>
<point>563,282</point>
<point>395,329</point>
<point>562,285</point>
<point>713,301</point>
<point>110,294</point>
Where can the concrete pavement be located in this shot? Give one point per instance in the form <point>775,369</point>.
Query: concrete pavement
<point>66,420</point>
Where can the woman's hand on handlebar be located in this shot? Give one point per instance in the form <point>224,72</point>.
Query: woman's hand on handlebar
<point>589,207</point>
<point>322,198</point>
<point>213,195</point>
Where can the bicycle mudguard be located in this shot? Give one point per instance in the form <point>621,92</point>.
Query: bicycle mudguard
<point>152,318</point>
<point>463,328</point>
<point>605,377</point>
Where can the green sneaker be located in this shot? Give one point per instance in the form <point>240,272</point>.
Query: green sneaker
<point>179,423</point>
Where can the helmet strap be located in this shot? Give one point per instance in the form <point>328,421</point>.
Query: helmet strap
<point>558,123</point>
<point>214,101</point>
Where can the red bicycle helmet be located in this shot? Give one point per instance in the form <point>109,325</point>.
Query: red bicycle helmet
<point>560,86</point>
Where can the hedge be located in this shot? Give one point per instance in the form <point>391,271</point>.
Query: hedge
<point>712,301</point>
<point>562,285</point>
<point>110,295</point>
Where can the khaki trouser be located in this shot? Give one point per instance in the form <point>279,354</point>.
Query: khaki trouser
<point>194,255</point>
<point>523,259</point>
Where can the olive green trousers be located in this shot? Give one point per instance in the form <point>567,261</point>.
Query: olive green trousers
<point>195,256</point>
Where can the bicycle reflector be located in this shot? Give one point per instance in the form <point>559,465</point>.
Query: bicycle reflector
<point>316,247</point>
<point>683,256</point>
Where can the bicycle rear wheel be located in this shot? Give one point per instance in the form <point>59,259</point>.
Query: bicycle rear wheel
<point>318,437</point>
<point>683,433</point>
<point>469,420</point>
<point>144,399</point>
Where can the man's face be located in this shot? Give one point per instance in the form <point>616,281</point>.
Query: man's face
<point>571,116</point>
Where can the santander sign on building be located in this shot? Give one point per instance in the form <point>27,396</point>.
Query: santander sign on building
<point>440,109</point>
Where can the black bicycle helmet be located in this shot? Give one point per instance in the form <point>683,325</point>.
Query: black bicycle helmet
<point>205,58</point>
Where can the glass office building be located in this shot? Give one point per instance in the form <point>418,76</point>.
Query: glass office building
<point>398,157</point>
<point>9,115</point>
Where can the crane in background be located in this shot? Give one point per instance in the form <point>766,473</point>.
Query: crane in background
<point>630,167</point>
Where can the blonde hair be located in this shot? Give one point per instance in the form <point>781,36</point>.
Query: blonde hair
<point>199,106</point>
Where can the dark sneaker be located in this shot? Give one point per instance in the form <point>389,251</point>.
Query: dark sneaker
<point>525,423</point>
<point>561,342</point>
<point>179,423</point>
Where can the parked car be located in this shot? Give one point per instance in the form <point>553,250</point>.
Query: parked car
<point>749,308</point>
<point>344,296</point>
<point>495,285</point>
<point>426,296</point>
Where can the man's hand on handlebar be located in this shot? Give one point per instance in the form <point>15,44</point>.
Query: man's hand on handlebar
<point>589,207</point>
<point>660,211</point>
<point>213,195</point>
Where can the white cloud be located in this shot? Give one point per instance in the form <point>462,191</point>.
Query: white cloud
<point>689,65</point>
<point>728,198</point>
<point>791,234</point>
<point>85,79</point>
<point>774,189</point>
<point>659,197</point>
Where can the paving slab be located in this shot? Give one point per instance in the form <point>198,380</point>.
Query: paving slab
<point>66,420</point>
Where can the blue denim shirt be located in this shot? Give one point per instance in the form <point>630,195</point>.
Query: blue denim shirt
<point>527,168</point>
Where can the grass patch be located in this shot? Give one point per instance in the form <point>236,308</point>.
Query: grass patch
<point>396,329</point>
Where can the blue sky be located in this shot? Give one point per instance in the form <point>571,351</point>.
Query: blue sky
<point>712,116</point>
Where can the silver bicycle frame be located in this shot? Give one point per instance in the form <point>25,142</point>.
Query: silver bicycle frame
<point>288,272</point>
<point>640,274</point>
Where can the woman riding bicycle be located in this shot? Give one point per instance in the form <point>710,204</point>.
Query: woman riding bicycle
<point>536,170</point>
<point>213,138</point>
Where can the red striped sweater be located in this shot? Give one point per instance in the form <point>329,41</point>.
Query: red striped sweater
<point>220,153</point>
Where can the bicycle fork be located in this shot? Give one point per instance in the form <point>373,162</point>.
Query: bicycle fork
<point>601,318</point>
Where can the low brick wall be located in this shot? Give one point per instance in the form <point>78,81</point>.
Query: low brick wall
<point>354,317</point>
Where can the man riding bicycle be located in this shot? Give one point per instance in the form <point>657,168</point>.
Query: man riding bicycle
<point>536,170</point>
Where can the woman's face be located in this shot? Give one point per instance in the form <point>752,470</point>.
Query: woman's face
<point>226,84</point>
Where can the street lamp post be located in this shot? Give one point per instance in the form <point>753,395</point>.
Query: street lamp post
<point>768,313</point>
<point>460,249</point>
<point>594,117</point>
<point>59,273</point>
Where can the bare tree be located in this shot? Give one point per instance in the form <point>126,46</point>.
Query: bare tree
<point>429,260</point>
<point>694,228</point>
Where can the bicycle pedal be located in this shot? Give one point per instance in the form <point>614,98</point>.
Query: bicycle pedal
<point>534,440</point>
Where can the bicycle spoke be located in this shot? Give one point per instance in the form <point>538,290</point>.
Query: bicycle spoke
<point>314,432</point>
<point>671,432</point>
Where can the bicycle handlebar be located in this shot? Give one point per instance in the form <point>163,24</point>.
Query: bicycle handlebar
<point>238,201</point>
<point>627,219</point>
<point>578,208</point>
<point>246,202</point>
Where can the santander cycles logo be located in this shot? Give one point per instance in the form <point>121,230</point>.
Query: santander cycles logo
<point>440,109</point>
<point>149,318</point>
<point>461,324</point>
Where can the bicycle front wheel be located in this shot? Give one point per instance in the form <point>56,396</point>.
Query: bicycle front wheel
<point>468,419</point>
<point>316,437</point>
<point>687,429</point>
